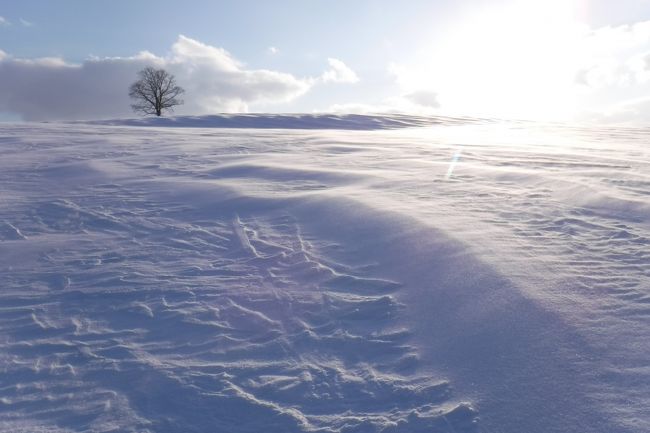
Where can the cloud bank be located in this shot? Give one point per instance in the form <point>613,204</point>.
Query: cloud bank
<point>613,78</point>
<point>532,60</point>
<point>52,89</point>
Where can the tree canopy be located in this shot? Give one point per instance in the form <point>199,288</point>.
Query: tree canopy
<point>155,91</point>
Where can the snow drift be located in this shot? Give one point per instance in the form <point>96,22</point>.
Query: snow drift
<point>459,277</point>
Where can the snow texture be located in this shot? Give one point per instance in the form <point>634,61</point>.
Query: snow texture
<point>285,121</point>
<point>324,274</point>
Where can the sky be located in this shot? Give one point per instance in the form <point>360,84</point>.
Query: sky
<point>567,60</point>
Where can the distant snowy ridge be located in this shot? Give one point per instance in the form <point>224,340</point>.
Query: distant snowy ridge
<point>359,122</point>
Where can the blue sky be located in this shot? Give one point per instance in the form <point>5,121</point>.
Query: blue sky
<point>503,58</point>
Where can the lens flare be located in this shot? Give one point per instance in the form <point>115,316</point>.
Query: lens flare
<point>454,162</point>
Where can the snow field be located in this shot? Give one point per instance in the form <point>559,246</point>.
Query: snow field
<point>343,280</point>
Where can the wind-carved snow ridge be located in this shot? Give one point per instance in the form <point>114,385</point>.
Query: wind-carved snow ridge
<point>123,309</point>
<point>231,341</point>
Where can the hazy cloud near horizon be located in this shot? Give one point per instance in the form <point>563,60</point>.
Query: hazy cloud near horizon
<point>51,89</point>
<point>595,75</point>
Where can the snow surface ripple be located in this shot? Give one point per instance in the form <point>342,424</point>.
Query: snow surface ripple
<point>170,279</point>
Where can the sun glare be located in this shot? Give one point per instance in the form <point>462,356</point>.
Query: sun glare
<point>518,61</point>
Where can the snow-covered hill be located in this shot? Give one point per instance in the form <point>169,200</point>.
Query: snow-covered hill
<point>327,274</point>
<point>363,122</point>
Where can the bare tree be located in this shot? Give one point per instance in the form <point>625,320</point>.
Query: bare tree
<point>155,91</point>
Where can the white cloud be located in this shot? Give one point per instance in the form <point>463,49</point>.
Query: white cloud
<point>514,59</point>
<point>425,98</point>
<point>339,72</point>
<point>414,97</point>
<point>4,21</point>
<point>399,104</point>
<point>615,56</point>
<point>26,23</point>
<point>216,81</point>
<point>405,77</point>
<point>612,83</point>
<point>531,62</point>
<point>359,108</point>
<point>273,50</point>
<point>635,111</point>
<point>50,88</point>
